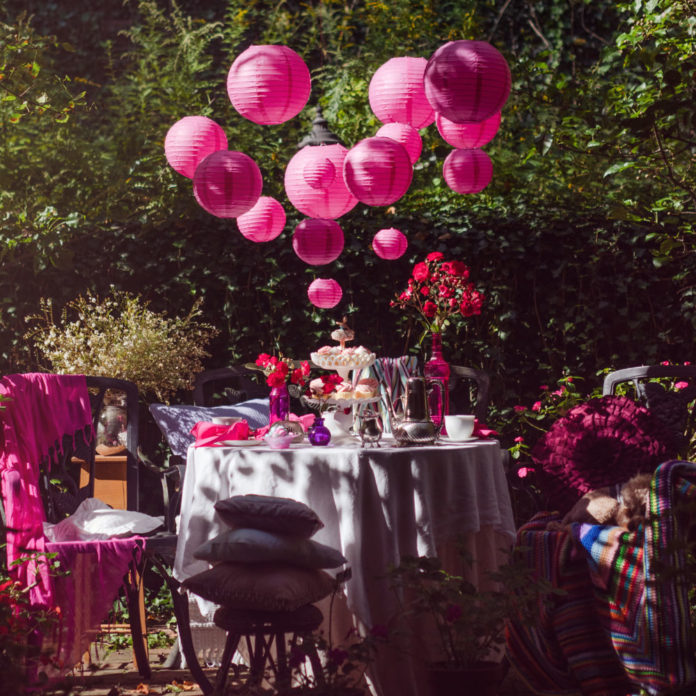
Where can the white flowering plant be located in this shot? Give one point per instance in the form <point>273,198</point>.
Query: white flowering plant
<point>120,336</point>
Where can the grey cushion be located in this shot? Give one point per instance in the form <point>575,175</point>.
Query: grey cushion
<point>272,514</point>
<point>258,546</point>
<point>261,586</point>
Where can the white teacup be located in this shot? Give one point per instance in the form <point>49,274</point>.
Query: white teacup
<point>226,420</point>
<point>459,427</point>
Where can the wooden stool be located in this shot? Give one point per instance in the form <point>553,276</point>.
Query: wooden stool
<point>264,627</point>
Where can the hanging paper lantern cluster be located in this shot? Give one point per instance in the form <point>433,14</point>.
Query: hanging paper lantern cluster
<point>190,140</point>
<point>318,241</point>
<point>377,171</point>
<point>263,222</point>
<point>397,95</point>
<point>405,135</point>
<point>389,243</point>
<point>269,84</point>
<point>467,171</point>
<point>314,182</point>
<point>227,183</point>
<point>470,134</point>
<point>324,293</point>
<point>467,80</point>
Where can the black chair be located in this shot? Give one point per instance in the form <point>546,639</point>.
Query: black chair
<point>469,391</point>
<point>226,385</point>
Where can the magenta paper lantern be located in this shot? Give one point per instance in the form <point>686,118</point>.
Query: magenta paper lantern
<point>397,95</point>
<point>389,243</point>
<point>377,171</point>
<point>314,182</point>
<point>467,171</point>
<point>263,222</point>
<point>227,183</point>
<point>467,80</point>
<point>269,84</point>
<point>318,241</point>
<point>470,134</point>
<point>324,293</point>
<point>404,134</point>
<point>190,140</point>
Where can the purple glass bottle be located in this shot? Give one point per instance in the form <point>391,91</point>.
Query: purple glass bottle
<point>437,368</point>
<point>318,434</point>
<point>279,403</point>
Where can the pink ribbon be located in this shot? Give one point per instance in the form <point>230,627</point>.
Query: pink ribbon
<point>482,430</point>
<point>213,434</point>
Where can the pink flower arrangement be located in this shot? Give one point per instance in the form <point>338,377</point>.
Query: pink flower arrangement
<point>280,370</point>
<point>439,291</point>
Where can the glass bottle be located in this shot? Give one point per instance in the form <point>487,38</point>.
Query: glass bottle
<point>437,368</point>
<point>318,434</point>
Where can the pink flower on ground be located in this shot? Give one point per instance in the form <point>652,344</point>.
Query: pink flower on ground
<point>536,406</point>
<point>665,362</point>
<point>681,385</point>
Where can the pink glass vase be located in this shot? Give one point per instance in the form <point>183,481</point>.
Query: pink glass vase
<point>279,403</point>
<point>437,368</point>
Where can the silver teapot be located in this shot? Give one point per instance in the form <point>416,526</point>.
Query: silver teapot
<point>413,425</point>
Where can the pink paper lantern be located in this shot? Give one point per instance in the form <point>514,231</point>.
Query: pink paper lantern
<point>227,183</point>
<point>470,134</point>
<point>396,93</point>
<point>190,140</point>
<point>467,80</point>
<point>389,243</point>
<point>467,171</point>
<point>324,293</point>
<point>314,182</point>
<point>378,171</point>
<point>404,134</point>
<point>318,241</point>
<point>269,84</point>
<point>263,222</point>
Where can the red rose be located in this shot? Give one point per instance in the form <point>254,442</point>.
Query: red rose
<point>425,290</point>
<point>297,377</point>
<point>263,359</point>
<point>429,309</point>
<point>435,256</point>
<point>458,268</point>
<point>420,272</point>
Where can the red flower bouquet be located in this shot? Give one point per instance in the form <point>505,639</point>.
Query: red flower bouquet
<point>439,291</point>
<point>280,371</point>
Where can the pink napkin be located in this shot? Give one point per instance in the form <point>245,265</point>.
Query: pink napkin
<point>482,430</point>
<point>305,421</point>
<point>212,434</point>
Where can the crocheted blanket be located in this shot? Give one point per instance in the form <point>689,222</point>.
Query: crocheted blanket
<point>623,622</point>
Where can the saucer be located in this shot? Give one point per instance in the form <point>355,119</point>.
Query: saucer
<point>242,443</point>
<point>450,441</point>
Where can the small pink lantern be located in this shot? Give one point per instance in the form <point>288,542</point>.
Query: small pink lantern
<point>389,243</point>
<point>467,171</point>
<point>378,171</point>
<point>404,134</point>
<point>227,183</point>
<point>269,84</point>
<point>470,134</point>
<point>190,140</point>
<point>318,241</point>
<point>324,293</point>
<point>467,80</point>
<point>396,93</point>
<point>314,182</point>
<point>263,222</point>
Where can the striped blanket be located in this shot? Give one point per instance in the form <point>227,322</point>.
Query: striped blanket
<point>621,624</point>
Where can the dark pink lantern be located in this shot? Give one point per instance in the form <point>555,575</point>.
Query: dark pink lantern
<point>467,171</point>
<point>190,140</point>
<point>263,222</point>
<point>314,182</point>
<point>324,293</point>
<point>318,241</point>
<point>227,183</point>
<point>377,171</point>
<point>404,134</point>
<point>396,93</point>
<point>269,84</point>
<point>470,134</point>
<point>389,243</point>
<point>467,80</point>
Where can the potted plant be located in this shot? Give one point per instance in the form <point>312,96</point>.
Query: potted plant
<point>467,624</point>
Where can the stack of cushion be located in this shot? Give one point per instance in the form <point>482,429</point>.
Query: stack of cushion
<point>265,560</point>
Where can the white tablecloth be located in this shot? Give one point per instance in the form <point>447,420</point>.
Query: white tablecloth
<point>376,504</point>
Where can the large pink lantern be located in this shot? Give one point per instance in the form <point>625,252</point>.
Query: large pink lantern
<point>318,241</point>
<point>468,135</point>
<point>377,171</point>
<point>389,243</point>
<point>324,293</point>
<point>404,134</point>
<point>269,84</point>
<point>396,93</point>
<point>314,182</point>
<point>263,222</point>
<point>227,183</point>
<point>467,171</point>
<point>467,80</point>
<point>190,140</point>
